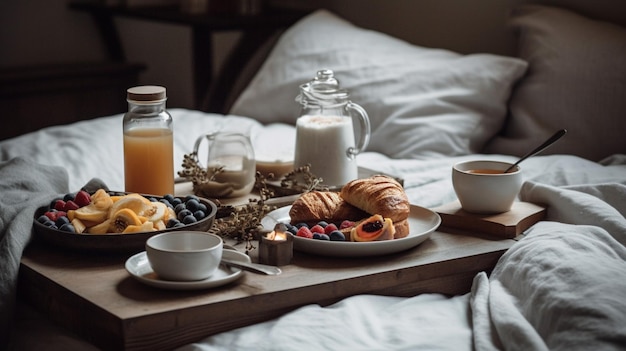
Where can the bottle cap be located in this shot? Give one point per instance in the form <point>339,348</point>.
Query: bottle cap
<point>146,93</point>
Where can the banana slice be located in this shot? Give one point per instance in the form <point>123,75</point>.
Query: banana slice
<point>155,211</point>
<point>134,202</point>
<point>124,218</point>
<point>90,213</point>
<point>145,227</point>
<point>101,228</point>
<point>79,225</point>
<point>101,200</point>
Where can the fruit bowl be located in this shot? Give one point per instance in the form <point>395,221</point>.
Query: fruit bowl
<point>115,242</point>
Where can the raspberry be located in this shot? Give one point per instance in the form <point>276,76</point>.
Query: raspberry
<point>330,228</point>
<point>346,224</point>
<point>70,205</point>
<point>323,223</point>
<point>53,215</point>
<point>59,205</point>
<point>82,198</point>
<point>317,229</point>
<point>305,232</point>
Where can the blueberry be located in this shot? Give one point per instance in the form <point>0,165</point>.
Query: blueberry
<point>324,237</point>
<point>300,225</point>
<point>179,207</point>
<point>316,236</point>
<point>172,222</point>
<point>192,205</point>
<point>67,227</point>
<point>166,201</point>
<point>176,201</point>
<point>169,197</point>
<point>153,199</point>
<point>199,214</point>
<point>189,197</point>
<point>291,228</point>
<point>189,219</point>
<point>202,207</point>
<point>184,213</point>
<point>336,235</point>
<point>42,219</point>
<point>322,224</point>
<point>49,223</point>
<point>61,221</point>
<point>178,225</point>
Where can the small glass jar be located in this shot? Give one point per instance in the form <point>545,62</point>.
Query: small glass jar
<point>148,142</point>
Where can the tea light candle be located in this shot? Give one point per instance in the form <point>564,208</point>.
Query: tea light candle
<point>276,247</point>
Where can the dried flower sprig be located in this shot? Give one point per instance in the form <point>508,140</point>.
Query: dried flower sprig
<point>243,223</point>
<point>302,180</point>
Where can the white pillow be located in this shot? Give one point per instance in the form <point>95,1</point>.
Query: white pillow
<point>422,102</point>
<point>576,80</point>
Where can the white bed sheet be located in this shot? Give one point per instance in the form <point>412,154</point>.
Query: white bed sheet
<point>430,321</point>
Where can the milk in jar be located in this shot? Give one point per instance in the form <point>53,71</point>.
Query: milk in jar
<point>325,135</point>
<point>321,141</point>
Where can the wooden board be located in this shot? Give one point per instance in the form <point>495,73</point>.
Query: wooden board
<point>505,225</point>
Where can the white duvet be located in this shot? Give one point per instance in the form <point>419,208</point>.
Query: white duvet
<point>563,286</point>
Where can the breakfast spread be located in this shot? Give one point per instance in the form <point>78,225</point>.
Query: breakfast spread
<point>369,209</point>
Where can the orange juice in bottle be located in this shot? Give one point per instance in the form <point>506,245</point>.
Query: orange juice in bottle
<point>148,142</point>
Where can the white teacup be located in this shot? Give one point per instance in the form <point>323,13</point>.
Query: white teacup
<point>184,255</point>
<point>483,187</point>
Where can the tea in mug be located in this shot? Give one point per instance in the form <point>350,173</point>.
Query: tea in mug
<point>485,171</point>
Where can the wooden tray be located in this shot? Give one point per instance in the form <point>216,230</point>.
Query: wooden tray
<point>503,225</point>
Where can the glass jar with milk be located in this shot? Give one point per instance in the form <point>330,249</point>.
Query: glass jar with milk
<point>325,133</point>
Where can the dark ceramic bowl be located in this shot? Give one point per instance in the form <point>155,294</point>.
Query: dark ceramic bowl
<point>115,242</point>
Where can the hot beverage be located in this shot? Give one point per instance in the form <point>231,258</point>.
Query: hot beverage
<point>485,171</point>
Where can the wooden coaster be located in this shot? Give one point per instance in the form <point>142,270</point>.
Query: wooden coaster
<point>504,225</point>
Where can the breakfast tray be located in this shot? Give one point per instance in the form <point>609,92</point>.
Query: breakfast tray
<point>506,225</point>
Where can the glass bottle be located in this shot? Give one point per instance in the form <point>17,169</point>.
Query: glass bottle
<point>148,142</point>
<point>325,136</point>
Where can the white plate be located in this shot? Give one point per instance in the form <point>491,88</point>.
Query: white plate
<point>422,222</point>
<point>139,267</point>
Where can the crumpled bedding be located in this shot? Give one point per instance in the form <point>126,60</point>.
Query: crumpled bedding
<point>549,289</point>
<point>561,287</point>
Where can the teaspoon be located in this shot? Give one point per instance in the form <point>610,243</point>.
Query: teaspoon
<point>539,148</point>
<point>252,267</point>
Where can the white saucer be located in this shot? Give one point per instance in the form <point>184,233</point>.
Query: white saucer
<point>139,267</point>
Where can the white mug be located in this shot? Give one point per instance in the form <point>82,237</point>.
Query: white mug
<point>483,187</point>
<point>184,255</point>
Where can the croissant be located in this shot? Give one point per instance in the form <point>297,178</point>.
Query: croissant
<point>378,194</point>
<point>314,206</point>
<point>402,229</point>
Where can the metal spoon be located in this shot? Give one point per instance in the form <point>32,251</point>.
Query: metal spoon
<point>252,267</point>
<point>539,148</point>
